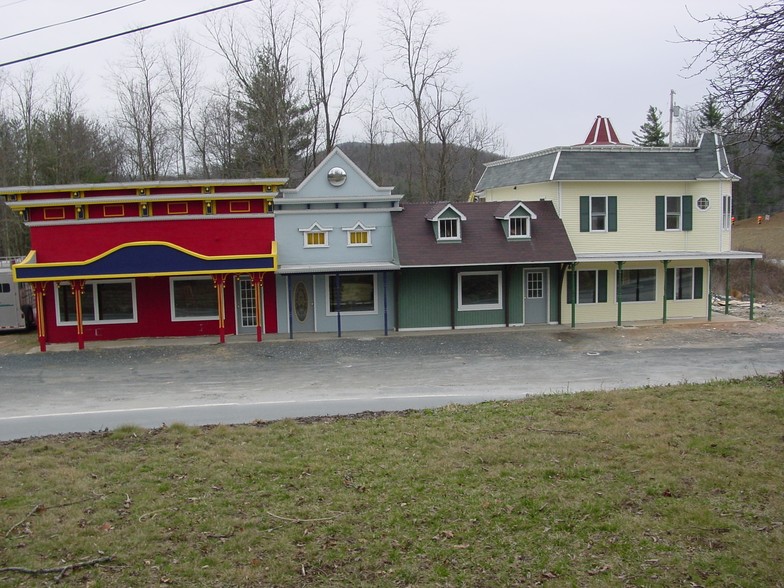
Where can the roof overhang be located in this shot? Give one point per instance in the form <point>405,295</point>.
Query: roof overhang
<point>665,256</point>
<point>144,259</point>
<point>337,268</point>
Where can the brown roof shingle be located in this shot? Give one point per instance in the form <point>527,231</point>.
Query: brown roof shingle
<point>483,241</point>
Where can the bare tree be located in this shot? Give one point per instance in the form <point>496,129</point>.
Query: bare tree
<point>374,127</point>
<point>141,91</point>
<point>414,69</point>
<point>745,56</point>
<point>183,74</point>
<point>27,110</point>
<point>336,75</point>
<point>275,119</point>
<point>688,125</point>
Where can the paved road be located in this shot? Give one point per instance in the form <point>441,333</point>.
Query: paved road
<point>72,391</point>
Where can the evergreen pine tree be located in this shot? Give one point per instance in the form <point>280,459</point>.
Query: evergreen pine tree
<point>710,117</point>
<point>651,133</point>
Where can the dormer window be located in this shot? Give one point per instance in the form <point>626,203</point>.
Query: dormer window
<point>315,236</point>
<point>448,228</point>
<point>516,220</point>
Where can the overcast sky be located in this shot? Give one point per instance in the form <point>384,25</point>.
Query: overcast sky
<point>541,70</point>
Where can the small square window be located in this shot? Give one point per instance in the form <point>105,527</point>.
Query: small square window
<point>316,239</point>
<point>358,238</point>
<point>449,228</point>
<point>518,226</point>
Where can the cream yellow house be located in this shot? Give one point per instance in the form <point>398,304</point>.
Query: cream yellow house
<point>647,224</point>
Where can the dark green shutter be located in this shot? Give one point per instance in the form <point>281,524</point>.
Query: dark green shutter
<point>697,283</point>
<point>585,214</point>
<point>669,284</point>
<point>602,285</point>
<point>686,202</point>
<point>612,213</point>
<point>660,213</point>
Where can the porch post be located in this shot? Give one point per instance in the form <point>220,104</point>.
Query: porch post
<point>573,286</point>
<point>666,264</point>
<point>219,280</point>
<point>710,290</point>
<point>40,291</point>
<point>751,290</point>
<point>618,290</point>
<point>77,287</point>
<point>291,310</point>
<point>386,315</point>
<point>340,303</point>
<point>727,287</point>
<point>258,279</point>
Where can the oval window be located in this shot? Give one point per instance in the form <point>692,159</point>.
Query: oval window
<point>301,302</point>
<point>703,203</point>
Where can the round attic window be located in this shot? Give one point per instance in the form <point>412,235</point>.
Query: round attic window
<point>337,176</point>
<point>703,203</point>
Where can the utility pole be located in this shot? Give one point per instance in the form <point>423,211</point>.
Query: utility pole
<point>672,110</point>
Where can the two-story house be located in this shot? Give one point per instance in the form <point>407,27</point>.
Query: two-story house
<point>646,223</point>
<point>149,259</point>
<point>336,251</point>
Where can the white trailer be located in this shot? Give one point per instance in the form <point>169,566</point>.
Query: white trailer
<point>17,302</point>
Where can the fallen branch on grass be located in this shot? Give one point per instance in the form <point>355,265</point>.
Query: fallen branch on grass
<point>274,516</point>
<point>39,508</point>
<point>60,571</point>
<point>554,431</point>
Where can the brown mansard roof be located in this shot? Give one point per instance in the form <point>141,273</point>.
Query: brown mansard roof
<point>483,241</point>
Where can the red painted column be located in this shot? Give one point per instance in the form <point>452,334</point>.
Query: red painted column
<point>258,280</point>
<point>39,288</point>
<point>219,281</point>
<point>77,287</point>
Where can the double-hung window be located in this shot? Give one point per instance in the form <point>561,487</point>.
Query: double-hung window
<point>674,213</point>
<point>591,286</point>
<point>726,212</point>
<point>598,214</point>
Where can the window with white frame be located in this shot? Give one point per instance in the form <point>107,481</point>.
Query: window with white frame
<point>359,236</point>
<point>193,299</point>
<point>591,286</point>
<point>104,301</point>
<point>315,236</point>
<point>519,227</point>
<point>448,229</point>
<point>673,213</point>
<point>726,212</point>
<point>351,294</point>
<point>637,285</point>
<point>479,291</point>
<point>598,213</point>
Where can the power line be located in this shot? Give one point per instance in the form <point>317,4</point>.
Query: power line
<point>129,32</point>
<point>57,24</point>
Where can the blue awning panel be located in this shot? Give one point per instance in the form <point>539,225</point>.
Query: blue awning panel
<point>144,259</point>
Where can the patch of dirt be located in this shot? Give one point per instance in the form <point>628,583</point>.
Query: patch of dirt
<point>767,236</point>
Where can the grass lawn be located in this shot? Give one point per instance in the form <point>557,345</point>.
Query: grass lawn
<point>671,486</point>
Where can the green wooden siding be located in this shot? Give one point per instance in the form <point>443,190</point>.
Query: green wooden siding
<point>424,298</point>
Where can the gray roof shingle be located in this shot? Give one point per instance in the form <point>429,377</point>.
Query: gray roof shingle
<point>612,163</point>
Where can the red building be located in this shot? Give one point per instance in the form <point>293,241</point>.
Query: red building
<point>150,259</point>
